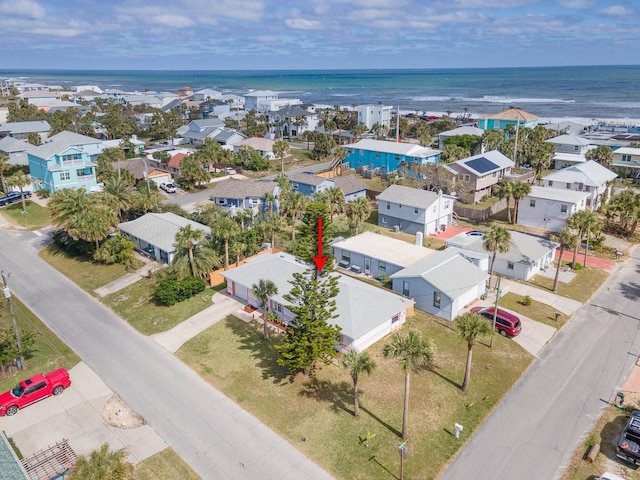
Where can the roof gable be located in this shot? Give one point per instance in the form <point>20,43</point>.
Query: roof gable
<point>589,173</point>
<point>485,163</point>
<point>412,197</point>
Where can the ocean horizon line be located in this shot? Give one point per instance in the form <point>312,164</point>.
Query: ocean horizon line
<point>403,69</point>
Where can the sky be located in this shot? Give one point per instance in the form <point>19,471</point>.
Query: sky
<point>316,34</point>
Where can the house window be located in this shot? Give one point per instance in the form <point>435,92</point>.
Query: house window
<point>495,174</point>
<point>377,154</point>
<point>580,186</point>
<point>397,157</point>
<point>532,203</point>
<point>433,210</point>
<point>382,266</point>
<point>510,265</point>
<point>277,306</point>
<point>65,176</point>
<point>576,148</point>
<point>346,256</point>
<point>563,209</point>
<point>388,205</point>
<point>626,158</point>
<point>415,210</point>
<point>81,172</point>
<point>551,183</point>
<point>405,288</point>
<point>587,188</point>
<point>361,152</point>
<point>395,319</point>
<point>436,299</point>
<point>568,185</point>
<point>221,201</point>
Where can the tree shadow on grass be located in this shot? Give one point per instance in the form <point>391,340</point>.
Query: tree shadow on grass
<point>262,350</point>
<point>433,369</point>
<point>338,394</point>
<point>375,460</point>
<point>395,431</point>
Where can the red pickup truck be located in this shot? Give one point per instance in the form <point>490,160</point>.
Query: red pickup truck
<point>33,390</point>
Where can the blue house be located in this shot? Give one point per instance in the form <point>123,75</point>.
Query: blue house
<point>245,194</point>
<point>66,160</point>
<point>387,156</point>
<point>309,184</point>
<point>511,116</point>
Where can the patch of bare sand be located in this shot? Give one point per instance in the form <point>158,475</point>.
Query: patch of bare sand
<point>118,414</point>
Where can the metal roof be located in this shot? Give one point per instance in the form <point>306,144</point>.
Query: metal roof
<point>360,307</point>
<point>589,173</point>
<point>383,146</point>
<point>160,229</point>
<point>411,197</point>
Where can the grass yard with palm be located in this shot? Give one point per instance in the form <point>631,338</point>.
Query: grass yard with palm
<point>316,415</point>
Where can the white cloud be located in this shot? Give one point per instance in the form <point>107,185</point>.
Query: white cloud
<point>23,8</point>
<point>617,11</point>
<point>177,21</point>
<point>579,4</point>
<point>303,24</point>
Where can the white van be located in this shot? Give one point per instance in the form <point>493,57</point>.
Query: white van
<point>609,476</point>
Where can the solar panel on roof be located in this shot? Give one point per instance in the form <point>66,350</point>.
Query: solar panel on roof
<point>482,165</point>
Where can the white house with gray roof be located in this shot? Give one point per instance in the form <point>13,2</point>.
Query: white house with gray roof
<point>16,150</point>
<point>527,255</point>
<point>441,284</point>
<point>570,150</point>
<point>155,233</point>
<point>376,255</point>
<point>412,210</point>
<point>21,130</point>
<point>548,208</point>
<point>479,173</point>
<point>244,194</point>
<point>365,313</point>
<point>590,177</point>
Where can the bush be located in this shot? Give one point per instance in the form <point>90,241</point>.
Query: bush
<point>170,290</point>
<point>526,301</point>
<point>74,248</point>
<point>578,266</point>
<point>117,249</point>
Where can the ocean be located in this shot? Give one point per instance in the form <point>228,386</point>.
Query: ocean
<point>583,93</point>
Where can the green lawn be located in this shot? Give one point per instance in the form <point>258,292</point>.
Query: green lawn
<point>581,288</point>
<point>35,218</point>
<point>50,353</point>
<point>235,358</point>
<point>165,465</point>
<point>80,270</point>
<point>136,305</point>
<point>538,311</point>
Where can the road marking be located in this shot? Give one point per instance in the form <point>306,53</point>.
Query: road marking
<point>37,233</point>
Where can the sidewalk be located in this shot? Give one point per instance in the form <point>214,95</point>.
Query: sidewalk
<point>129,278</point>
<point>223,306</point>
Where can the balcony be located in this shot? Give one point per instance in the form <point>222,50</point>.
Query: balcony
<point>86,178</point>
<point>73,163</point>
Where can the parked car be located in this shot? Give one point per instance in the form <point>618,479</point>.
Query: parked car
<point>628,447</point>
<point>229,171</point>
<point>33,390</point>
<point>168,187</point>
<point>507,324</point>
<point>13,197</point>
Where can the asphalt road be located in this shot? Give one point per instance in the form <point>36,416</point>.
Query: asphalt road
<point>210,432</point>
<point>534,432</point>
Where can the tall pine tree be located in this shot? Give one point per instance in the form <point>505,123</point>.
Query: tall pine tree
<point>306,245</point>
<point>311,337</point>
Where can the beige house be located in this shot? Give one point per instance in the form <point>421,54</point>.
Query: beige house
<point>479,173</point>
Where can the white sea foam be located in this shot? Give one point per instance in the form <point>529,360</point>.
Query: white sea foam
<point>489,99</point>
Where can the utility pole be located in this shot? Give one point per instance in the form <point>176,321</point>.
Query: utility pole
<point>7,295</point>
<point>495,312</point>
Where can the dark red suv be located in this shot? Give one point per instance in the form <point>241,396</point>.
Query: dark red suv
<point>506,323</point>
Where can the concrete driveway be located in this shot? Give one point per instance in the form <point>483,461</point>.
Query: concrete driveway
<point>534,335</point>
<point>76,415</point>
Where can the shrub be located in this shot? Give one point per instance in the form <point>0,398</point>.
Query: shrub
<point>578,266</point>
<point>170,290</point>
<point>117,249</point>
<point>74,248</point>
<point>526,301</point>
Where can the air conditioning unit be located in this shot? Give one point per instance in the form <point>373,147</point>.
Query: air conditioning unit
<point>343,264</point>
<point>356,268</point>
<point>396,229</point>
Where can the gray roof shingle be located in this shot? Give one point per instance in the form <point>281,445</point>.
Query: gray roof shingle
<point>242,189</point>
<point>159,229</point>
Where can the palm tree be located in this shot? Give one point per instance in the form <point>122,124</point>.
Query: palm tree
<point>281,149</point>
<point>580,222</point>
<point>334,197</point>
<point>225,227</point>
<point>20,180</point>
<point>357,364</point>
<point>271,224</point>
<point>94,224</point>
<point>601,154</point>
<point>567,240</point>
<point>264,290</point>
<point>358,211</point>
<point>470,326</point>
<point>103,464</point>
<point>237,248</point>
<point>295,208</point>
<point>118,194</point>
<point>411,351</point>
<point>520,190</point>
<point>66,204</point>
<point>197,261</point>
<point>496,239</point>
<point>188,238</point>
<point>504,189</point>
<point>4,167</point>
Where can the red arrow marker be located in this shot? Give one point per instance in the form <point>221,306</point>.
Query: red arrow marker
<point>319,260</point>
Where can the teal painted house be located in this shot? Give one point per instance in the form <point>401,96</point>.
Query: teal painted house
<point>66,160</point>
<point>387,156</point>
<point>511,116</point>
